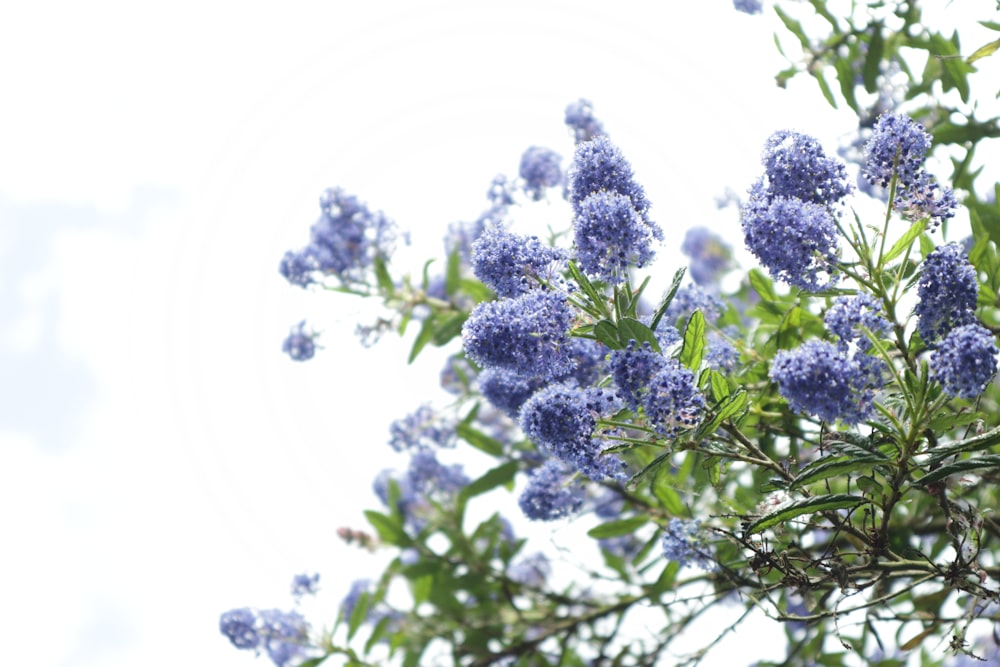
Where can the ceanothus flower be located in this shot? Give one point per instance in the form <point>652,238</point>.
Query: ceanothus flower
<point>794,239</point>
<point>632,369</point>
<point>429,477</point>
<point>420,429</point>
<point>599,166</point>
<point>849,314</point>
<point>710,255</point>
<point>580,118</point>
<point>610,235</point>
<point>748,6</point>
<point>797,168</point>
<point>540,168</point>
<point>552,493</point>
<point>528,334</point>
<point>673,401</point>
<point>819,378</point>
<point>285,635</point>
<point>299,345</point>
<point>511,264</point>
<point>684,544</point>
<point>240,626</point>
<point>304,584</point>
<point>506,390</point>
<point>358,588</point>
<point>947,293</point>
<point>562,419</point>
<point>965,361</point>
<point>690,298</point>
<point>720,353</point>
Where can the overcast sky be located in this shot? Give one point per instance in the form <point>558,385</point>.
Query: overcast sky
<point>160,460</point>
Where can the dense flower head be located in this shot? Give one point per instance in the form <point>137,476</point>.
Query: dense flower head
<point>748,6</point>
<point>512,264</point>
<point>720,353</point>
<point>580,118</point>
<point>507,391</point>
<point>285,635</point>
<point>344,241</point>
<point>419,429</point>
<point>599,166</point>
<point>673,401</point>
<point>299,345</point>
<point>795,240</point>
<point>552,493</point>
<point>796,167</point>
<point>610,235</point>
<point>947,292</point>
<point>305,584</point>
<point>690,298</point>
<point>683,544</point>
<point>926,199</point>
<point>540,169</point>
<point>850,315</point>
<point>898,145</point>
<point>239,625</point>
<point>965,361</point>
<point>562,419</point>
<point>527,335</point>
<point>431,478</point>
<point>632,369</point>
<point>821,379</point>
<point>710,255</point>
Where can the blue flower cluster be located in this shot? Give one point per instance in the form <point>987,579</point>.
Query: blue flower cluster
<point>684,545</point>
<point>666,391</point>
<point>898,147</point>
<point>425,479</point>
<point>283,634</point>
<point>788,219</point>
<point>562,420</point>
<point>748,6</point>
<point>611,225</point>
<point>947,293</point>
<point>528,335</point>
<point>299,345</point>
<point>821,379</point>
<point>580,118</point>
<point>506,390</point>
<point>344,242</point>
<point>552,493</point>
<point>421,429</point>
<point>849,316</point>
<point>691,298</point>
<point>540,169</point>
<point>304,584</point>
<point>710,255</point>
<point>511,264</point>
<point>965,361</point>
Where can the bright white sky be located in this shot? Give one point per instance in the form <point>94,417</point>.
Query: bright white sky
<point>160,460</point>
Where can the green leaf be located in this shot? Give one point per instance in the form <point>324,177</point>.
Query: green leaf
<point>793,27</point>
<point>873,59</point>
<point>661,310</point>
<point>719,384</point>
<point>424,336</point>
<point>358,614</point>
<point>763,285</point>
<point>479,440</point>
<point>452,272</point>
<point>901,245</point>
<point>984,51</point>
<point>978,442</point>
<point>421,588</point>
<point>447,327</point>
<point>845,77</point>
<point>493,478</point>
<point>617,528</point>
<point>654,465</point>
<point>835,467</point>
<point>388,530</point>
<point>664,491</point>
<point>965,465</point>
<point>824,88</point>
<point>313,662</point>
<point>383,278</point>
<point>606,332</point>
<point>804,506</point>
<point>694,341</point>
<point>713,467</point>
<point>629,330</point>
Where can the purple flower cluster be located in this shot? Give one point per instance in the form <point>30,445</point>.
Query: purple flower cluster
<point>850,315</point>
<point>690,298</point>
<point>540,169</point>
<point>821,379</point>
<point>611,226</point>
<point>507,391</point>
<point>666,391</point>
<point>299,345</point>
<point>580,118</point>
<point>304,584</point>
<point>720,353</point>
<point>947,293</point>
<point>965,361</point>
<point>552,493</point>
<point>788,219</point>
<point>421,429</point>
<point>748,6</point>
<point>282,634</point>
<point>710,255</point>
<point>562,419</point>
<point>528,335</point>
<point>511,264</point>
<point>344,241</point>
<point>898,147</point>
<point>683,544</point>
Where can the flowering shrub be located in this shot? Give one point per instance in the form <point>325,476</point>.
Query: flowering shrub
<point>818,442</point>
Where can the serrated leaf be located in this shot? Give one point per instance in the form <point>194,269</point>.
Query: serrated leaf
<point>653,466</point>
<point>978,442</point>
<point>661,310</point>
<point>965,465</point>
<point>630,329</point>
<point>713,467</point>
<point>493,478</point>
<point>617,528</point>
<point>719,384</point>
<point>904,241</point>
<point>805,506</point>
<point>479,440</point>
<point>606,332</point>
<point>694,341</point>
<point>834,467</point>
